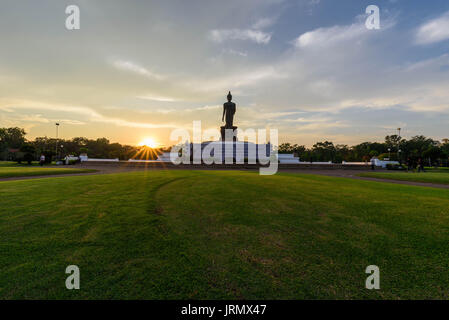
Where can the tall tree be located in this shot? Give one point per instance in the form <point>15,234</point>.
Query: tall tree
<point>12,137</point>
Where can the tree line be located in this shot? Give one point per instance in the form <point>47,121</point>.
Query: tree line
<point>396,148</point>
<point>14,146</point>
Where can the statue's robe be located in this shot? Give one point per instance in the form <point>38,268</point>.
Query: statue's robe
<point>229,108</point>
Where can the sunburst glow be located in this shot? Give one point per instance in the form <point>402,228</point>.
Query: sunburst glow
<point>149,142</point>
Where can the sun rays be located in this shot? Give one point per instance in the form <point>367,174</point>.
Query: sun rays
<point>149,142</point>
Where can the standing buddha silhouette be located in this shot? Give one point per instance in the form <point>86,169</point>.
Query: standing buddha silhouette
<point>228,114</point>
<point>228,111</point>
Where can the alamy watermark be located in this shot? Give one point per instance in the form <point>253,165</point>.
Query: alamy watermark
<point>373,20</point>
<point>208,147</point>
<point>373,280</point>
<point>72,22</point>
<point>73,280</point>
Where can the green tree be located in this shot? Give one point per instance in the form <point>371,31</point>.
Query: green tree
<point>28,151</point>
<point>392,142</point>
<point>433,153</point>
<point>324,151</point>
<point>415,147</point>
<point>285,148</point>
<point>10,138</point>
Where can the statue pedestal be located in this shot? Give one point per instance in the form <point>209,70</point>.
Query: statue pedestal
<point>228,133</point>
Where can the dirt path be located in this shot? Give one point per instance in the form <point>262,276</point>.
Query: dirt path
<point>350,174</point>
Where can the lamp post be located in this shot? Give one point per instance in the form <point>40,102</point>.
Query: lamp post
<point>56,148</point>
<point>399,156</point>
<point>389,153</point>
<point>399,143</point>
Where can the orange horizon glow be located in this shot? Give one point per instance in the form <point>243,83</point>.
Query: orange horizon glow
<point>149,142</point>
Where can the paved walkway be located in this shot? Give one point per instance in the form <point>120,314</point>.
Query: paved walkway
<point>350,174</point>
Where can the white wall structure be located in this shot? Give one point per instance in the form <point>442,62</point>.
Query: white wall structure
<point>165,157</point>
<point>224,152</point>
<point>99,160</point>
<point>67,159</point>
<point>382,163</point>
<point>318,162</point>
<point>287,158</point>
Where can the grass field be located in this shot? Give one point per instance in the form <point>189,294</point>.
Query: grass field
<point>429,177</point>
<point>437,169</point>
<point>215,234</point>
<point>25,171</point>
<point>15,164</point>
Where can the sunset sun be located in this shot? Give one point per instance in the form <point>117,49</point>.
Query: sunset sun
<point>149,142</point>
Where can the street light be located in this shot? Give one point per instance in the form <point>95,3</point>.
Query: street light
<point>56,148</point>
<point>389,153</point>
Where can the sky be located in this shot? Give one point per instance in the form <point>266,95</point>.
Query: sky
<point>309,68</point>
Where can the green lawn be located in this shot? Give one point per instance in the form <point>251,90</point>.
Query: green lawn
<point>429,177</point>
<point>222,234</point>
<point>437,169</point>
<point>25,171</point>
<point>15,164</point>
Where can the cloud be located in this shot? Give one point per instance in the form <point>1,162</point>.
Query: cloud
<point>203,108</point>
<point>135,68</point>
<point>327,36</point>
<point>257,36</point>
<point>91,114</point>
<point>157,98</point>
<point>433,31</point>
<point>265,22</point>
<point>245,78</point>
<point>254,34</point>
<point>36,118</point>
<point>207,107</point>
<point>236,52</point>
<point>333,67</point>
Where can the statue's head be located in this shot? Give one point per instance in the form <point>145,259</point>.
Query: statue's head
<point>229,96</point>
